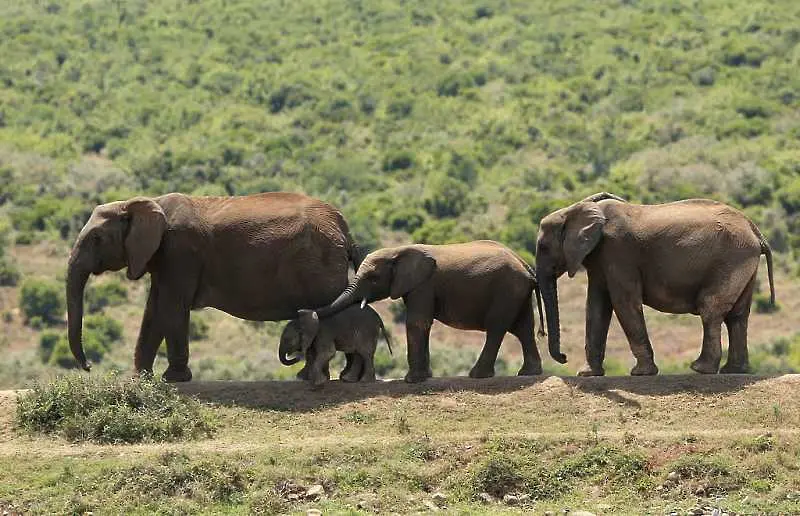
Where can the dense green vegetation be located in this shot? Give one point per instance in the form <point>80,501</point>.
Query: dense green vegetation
<point>445,120</point>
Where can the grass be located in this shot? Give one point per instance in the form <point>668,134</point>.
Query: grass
<point>110,410</point>
<point>676,453</point>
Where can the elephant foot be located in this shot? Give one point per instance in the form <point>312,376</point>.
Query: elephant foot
<point>368,378</point>
<point>417,376</point>
<point>349,376</point>
<point>705,366</point>
<point>644,369</point>
<point>588,370</point>
<point>145,374</point>
<point>735,368</point>
<point>303,373</point>
<point>481,372</point>
<point>173,375</point>
<point>530,370</point>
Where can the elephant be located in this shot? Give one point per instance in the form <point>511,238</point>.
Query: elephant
<point>479,285</point>
<point>257,257</point>
<point>353,330</point>
<point>695,256</point>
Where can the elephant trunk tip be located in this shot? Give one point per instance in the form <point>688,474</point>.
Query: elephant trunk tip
<point>85,365</point>
<point>561,358</point>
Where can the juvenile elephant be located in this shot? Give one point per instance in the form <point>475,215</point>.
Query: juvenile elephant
<point>479,285</point>
<point>694,256</point>
<point>352,330</point>
<point>257,257</point>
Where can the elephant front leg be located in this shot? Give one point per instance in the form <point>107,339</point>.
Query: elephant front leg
<point>176,322</point>
<point>417,335</point>
<point>598,319</point>
<point>150,337</point>
<point>318,372</point>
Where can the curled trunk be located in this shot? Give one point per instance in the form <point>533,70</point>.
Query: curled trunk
<point>550,296</point>
<point>349,296</point>
<point>76,282</point>
<point>283,356</point>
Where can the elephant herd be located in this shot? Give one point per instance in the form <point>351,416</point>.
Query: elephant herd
<point>285,256</point>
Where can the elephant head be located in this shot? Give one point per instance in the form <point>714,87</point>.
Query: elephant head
<point>297,337</point>
<point>565,238</point>
<point>118,234</point>
<point>391,272</point>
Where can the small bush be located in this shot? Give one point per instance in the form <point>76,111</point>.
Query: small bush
<point>198,327</point>
<point>110,410</point>
<point>42,298</point>
<point>762,304</point>
<point>716,475</point>
<point>47,343</point>
<point>9,273</point>
<point>110,293</point>
<point>498,476</point>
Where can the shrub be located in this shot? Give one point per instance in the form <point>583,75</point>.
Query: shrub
<point>110,293</point>
<point>107,409</point>
<point>446,197</point>
<point>198,327</point>
<point>9,273</point>
<point>762,304</point>
<point>47,343</point>
<point>100,333</point>
<point>42,298</point>
<point>498,476</point>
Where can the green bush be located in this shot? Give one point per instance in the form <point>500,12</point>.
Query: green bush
<point>43,298</point>
<point>9,273</point>
<point>109,293</point>
<point>107,409</point>
<point>198,327</point>
<point>762,304</point>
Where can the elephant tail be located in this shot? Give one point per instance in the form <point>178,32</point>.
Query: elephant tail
<point>386,335</point>
<point>538,294</point>
<point>766,250</point>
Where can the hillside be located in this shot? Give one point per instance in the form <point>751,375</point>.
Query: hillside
<point>425,122</point>
<point>607,445</point>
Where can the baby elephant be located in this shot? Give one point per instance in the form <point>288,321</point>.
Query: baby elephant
<point>353,331</point>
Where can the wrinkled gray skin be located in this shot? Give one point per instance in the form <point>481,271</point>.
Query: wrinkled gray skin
<point>479,285</point>
<point>353,330</point>
<point>257,257</point>
<point>694,256</point>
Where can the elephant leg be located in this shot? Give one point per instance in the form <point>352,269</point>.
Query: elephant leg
<point>419,319</point>
<point>150,336</point>
<point>368,359</point>
<point>318,373</point>
<point>354,370</point>
<point>630,316</point>
<point>598,319</point>
<point>736,322</point>
<point>523,330</point>
<point>711,353</point>
<point>176,326</point>
<point>484,367</point>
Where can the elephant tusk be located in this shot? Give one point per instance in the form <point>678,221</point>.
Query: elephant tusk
<point>363,303</point>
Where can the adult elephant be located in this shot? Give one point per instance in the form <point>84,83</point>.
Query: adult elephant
<point>257,257</point>
<point>694,256</point>
<point>480,285</point>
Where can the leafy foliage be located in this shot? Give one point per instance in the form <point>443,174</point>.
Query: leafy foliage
<point>42,299</point>
<point>110,410</point>
<point>100,334</point>
<point>109,293</point>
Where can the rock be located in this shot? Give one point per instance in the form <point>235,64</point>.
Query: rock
<point>510,500</point>
<point>716,512</point>
<point>549,513</point>
<point>673,476</point>
<point>315,491</point>
<point>439,498</point>
<point>486,498</point>
<point>523,498</point>
<point>582,513</point>
<point>700,491</point>
<point>361,505</point>
<point>313,512</point>
<point>697,511</point>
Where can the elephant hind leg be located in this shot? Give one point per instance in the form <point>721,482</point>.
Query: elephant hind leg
<point>736,322</point>
<point>354,369</point>
<point>711,353</point>
<point>523,330</point>
<point>484,367</point>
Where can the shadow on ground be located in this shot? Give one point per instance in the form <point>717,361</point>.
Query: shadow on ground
<point>297,396</point>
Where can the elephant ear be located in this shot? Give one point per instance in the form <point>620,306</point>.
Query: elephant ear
<point>412,267</point>
<point>308,327</point>
<point>582,232</point>
<point>147,223</point>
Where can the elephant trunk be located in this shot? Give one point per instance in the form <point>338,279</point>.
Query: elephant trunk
<point>283,355</point>
<point>550,296</point>
<point>77,275</point>
<point>348,297</point>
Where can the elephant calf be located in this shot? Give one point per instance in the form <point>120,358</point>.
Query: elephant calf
<point>353,331</point>
<point>479,285</point>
